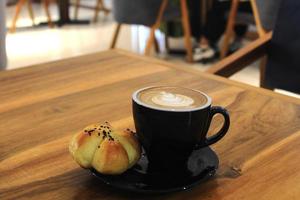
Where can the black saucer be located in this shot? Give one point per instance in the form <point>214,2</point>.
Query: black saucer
<point>201,166</point>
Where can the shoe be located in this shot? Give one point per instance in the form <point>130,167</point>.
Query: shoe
<point>207,53</point>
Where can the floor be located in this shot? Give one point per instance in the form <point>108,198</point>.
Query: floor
<point>34,45</point>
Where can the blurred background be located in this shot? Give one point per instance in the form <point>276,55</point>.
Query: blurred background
<point>40,31</point>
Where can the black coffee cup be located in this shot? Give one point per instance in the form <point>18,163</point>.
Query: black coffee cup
<point>169,136</point>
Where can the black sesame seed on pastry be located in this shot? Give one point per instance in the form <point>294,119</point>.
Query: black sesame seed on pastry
<point>106,150</point>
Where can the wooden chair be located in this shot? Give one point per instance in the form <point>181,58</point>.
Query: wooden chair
<point>280,47</point>
<point>232,21</point>
<point>152,41</point>
<point>19,6</point>
<point>243,57</point>
<point>99,7</point>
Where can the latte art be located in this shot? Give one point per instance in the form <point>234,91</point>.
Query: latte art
<point>172,100</point>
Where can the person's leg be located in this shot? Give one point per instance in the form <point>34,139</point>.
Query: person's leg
<point>216,21</point>
<point>196,30</point>
<point>195,18</point>
<point>216,24</point>
<point>245,6</point>
<point>212,31</point>
<point>240,29</point>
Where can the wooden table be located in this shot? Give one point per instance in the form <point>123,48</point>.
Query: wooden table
<point>42,106</point>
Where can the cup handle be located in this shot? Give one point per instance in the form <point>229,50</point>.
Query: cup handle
<point>219,135</point>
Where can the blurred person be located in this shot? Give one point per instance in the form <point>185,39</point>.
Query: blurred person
<point>209,34</point>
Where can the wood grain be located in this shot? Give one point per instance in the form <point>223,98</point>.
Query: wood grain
<point>42,106</point>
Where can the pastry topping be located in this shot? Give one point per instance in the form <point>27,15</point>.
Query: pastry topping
<point>111,138</point>
<point>130,131</point>
<point>90,132</point>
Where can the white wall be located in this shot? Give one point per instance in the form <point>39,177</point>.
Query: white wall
<point>3,59</point>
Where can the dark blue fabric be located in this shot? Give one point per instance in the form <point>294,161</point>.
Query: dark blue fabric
<point>283,67</point>
<point>268,10</point>
<point>142,12</point>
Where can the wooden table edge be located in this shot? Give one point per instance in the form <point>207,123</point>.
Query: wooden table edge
<point>189,69</point>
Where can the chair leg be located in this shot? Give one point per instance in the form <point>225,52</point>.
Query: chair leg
<point>155,26</point>
<point>262,69</point>
<point>16,16</point>
<point>187,30</point>
<point>30,10</point>
<point>115,36</point>
<point>261,31</point>
<point>167,45</point>
<point>97,9</point>
<point>77,3</point>
<point>229,28</point>
<point>46,6</point>
<point>150,41</point>
<point>156,46</point>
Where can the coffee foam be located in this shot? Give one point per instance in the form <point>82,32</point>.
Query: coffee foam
<point>172,98</point>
